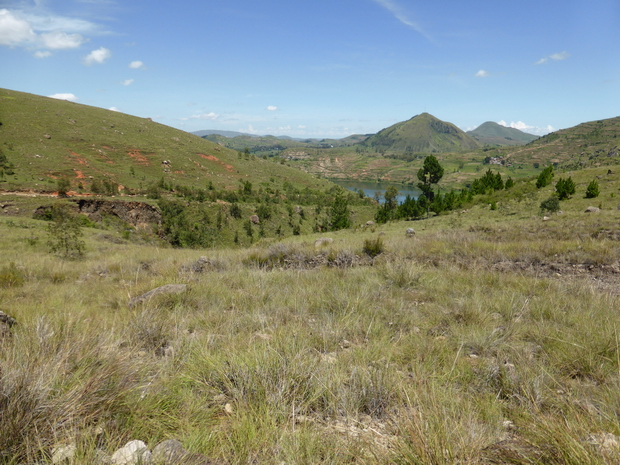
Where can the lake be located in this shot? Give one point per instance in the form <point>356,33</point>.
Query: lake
<point>371,187</point>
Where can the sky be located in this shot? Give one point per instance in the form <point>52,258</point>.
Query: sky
<point>320,68</point>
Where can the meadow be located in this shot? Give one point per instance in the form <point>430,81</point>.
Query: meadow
<point>490,336</point>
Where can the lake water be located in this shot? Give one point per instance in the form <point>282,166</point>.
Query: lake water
<point>370,188</point>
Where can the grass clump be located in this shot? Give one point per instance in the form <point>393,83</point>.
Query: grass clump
<point>373,247</point>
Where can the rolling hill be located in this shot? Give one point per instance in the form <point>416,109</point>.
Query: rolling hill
<point>44,139</point>
<point>491,133</point>
<point>423,133</point>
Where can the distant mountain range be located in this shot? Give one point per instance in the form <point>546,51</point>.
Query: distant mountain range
<point>423,133</point>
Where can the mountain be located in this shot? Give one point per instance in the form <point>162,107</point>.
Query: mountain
<point>44,139</point>
<point>491,133</point>
<point>422,133</point>
<point>209,132</point>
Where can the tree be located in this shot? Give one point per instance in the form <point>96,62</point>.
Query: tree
<point>430,173</point>
<point>388,210</point>
<point>544,178</point>
<point>565,188</point>
<point>339,212</point>
<point>592,191</point>
<point>65,234</point>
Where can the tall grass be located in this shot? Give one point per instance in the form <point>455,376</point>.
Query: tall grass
<point>461,346</point>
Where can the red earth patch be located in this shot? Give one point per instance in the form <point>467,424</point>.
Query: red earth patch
<point>228,168</point>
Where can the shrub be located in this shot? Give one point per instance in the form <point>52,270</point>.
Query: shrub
<point>592,191</point>
<point>544,178</point>
<point>551,205</point>
<point>64,232</point>
<point>373,247</point>
<point>565,188</point>
<point>11,276</point>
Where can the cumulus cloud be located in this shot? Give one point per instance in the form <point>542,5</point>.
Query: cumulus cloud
<point>59,40</point>
<point>64,96</point>
<point>97,56</point>
<point>127,82</point>
<point>113,109</point>
<point>400,14</point>
<point>30,28</point>
<point>555,57</point>
<point>272,108</point>
<point>42,54</point>
<point>521,126</point>
<point>14,30</point>
<point>136,65</point>
<point>482,73</point>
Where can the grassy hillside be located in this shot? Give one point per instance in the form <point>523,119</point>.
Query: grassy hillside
<point>47,139</point>
<point>489,337</point>
<point>422,133</point>
<point>491,133</point>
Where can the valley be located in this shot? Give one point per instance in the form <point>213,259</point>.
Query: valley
<point>163,288</point>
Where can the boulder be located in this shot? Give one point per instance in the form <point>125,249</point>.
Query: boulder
<point>166,289</point>
<point>255,219</point>
<point>410,232</point>
<point>323,241</point>
<point>592,210</point>
<point>133,453</point>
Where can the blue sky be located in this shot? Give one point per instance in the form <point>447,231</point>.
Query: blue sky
<point>321,68</point>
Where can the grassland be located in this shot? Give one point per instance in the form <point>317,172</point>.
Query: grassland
<point>491,336</point>
<point>47,139</point>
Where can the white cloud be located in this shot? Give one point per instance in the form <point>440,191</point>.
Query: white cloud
<point>206,116</point>
<point>14,30</point>
<point>29,27</point>
<point>42,54</point>
<point>401,15</point>
<point>65,96</point>
<point>127,82</point>
<point>97,56</point>
<point>136,65</point>
<point>113,109</point>
<point>521,126</point>
<point>58,40</point>
<point>272,108</point>
<point>482,73</point>
<point>555,57</point>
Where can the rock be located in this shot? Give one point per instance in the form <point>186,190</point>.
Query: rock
<point>370,223</point>
<point>63,453</point>
<point>410,232</point>
<point>166,289</point>
<point>6,319</point>
<point>133,453</point>
<point>322,241</point>
<point>6,323</point>
<point>168,452</point>
<point>592,210</point>
<point>47,136</point>
<point>546,218</point>
<point>255,219</point>
<point>228,408</point>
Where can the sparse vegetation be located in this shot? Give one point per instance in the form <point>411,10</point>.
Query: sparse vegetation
<point>489,336</point>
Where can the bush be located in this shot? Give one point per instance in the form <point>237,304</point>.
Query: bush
<point>592,191</point>
<point>565,188</point>
<point>373,247</point>
<point>544,178</point>
<point>551,205</point>
<point>65,233</point>
<point>11,276</point>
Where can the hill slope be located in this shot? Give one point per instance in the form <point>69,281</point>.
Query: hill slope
<point>43,139</point>
<point>422,133</point>
<point>491,133</point>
